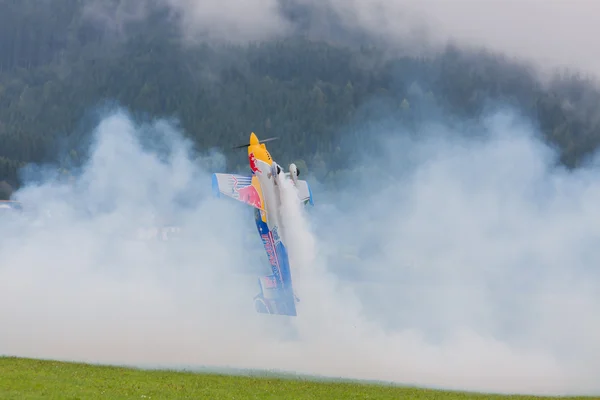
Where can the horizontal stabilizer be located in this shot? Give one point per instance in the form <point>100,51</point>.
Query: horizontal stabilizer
<point>269,286</point>
<point>272,299</point>
<point>238,187</point>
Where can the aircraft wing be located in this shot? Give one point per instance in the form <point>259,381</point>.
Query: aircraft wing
<point>238,187</point>
<point>304,192</point>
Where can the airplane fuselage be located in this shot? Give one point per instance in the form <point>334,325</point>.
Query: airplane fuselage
<point>262,190</point>
<point>272,234</point>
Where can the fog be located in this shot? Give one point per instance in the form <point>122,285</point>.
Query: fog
<point>450,262</point>
<point>550,34</point>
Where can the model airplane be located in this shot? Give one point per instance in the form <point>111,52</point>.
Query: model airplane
<point>261,190</point>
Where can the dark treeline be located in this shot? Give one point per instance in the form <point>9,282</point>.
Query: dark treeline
<point>56,66</point>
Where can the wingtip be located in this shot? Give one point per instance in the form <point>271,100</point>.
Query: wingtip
<point>215,186</point>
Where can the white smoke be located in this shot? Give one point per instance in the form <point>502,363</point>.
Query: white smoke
<point>472,268</point>
<point>301,244</point>
<point>473,262</point>
<point>80,285</point>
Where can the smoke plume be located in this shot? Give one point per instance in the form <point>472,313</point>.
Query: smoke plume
<point>447,261</point>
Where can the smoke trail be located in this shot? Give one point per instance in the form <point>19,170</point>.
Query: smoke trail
<point>312,279</point>
<point>473,267</point>
<point>301,243</point>
<point>467,269</point>
<point>473,261</point>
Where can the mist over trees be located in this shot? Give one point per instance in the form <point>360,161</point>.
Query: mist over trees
<point>57,66</point>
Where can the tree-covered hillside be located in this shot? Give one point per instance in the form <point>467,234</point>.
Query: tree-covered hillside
<point>56,65</point>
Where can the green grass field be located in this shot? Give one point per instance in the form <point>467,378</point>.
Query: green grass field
<point>36,379</point>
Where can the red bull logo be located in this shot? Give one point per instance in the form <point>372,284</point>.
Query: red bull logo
<point>252,162</point>
<point>249,195</point>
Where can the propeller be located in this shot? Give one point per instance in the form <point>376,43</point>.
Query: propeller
<point>260,141</point>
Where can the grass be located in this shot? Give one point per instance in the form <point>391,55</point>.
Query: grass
<point>23,379</point>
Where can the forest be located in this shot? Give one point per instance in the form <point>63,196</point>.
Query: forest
<point>56,68</point>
